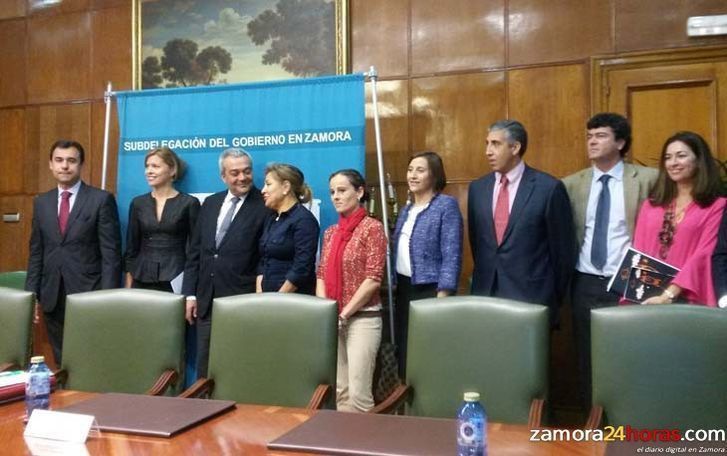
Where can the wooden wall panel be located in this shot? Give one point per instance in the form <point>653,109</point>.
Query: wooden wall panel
<point>14,236</point>
<point>59,57</point>
<point>39,7</point>
<point>681,107</point>
<point>111,50</point>
<point>450,115</point>
<point>101,4</point>
<point>95,164</point>
<point>456,35</point>
<point>552,103</point>
<point>12,145</point>
<point>558,31</point>
<point>12,8</point>
<point>459,190</point>
<point>685,96</point>
<point>655,24</point>
<point>379,36</point>
<point>12,62</point>
<point>54,122</point>
<point>393,105</point>
<point>32,150</point>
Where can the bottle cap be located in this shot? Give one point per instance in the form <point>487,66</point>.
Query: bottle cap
<point>471,396</point>
<point>37,359</point>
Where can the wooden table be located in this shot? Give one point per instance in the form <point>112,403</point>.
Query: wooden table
<point>246,430</point>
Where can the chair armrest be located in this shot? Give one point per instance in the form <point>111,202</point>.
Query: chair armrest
<point>7,366</point>
<point>394,401</point>
<point>61,376</point>
<point>536,413</point>
<point>595,417</point>
<point>318,395</point>
<point>201,388</point>
<point>168,377</point>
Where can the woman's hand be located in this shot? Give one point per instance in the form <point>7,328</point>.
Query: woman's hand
<point>660,299</point>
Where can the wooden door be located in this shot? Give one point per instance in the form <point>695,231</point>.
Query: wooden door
<point>665,92</point>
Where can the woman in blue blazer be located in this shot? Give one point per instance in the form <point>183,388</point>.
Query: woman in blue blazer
<point>427,242</point>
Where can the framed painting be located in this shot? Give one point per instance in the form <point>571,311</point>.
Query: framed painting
<point>182,43</point>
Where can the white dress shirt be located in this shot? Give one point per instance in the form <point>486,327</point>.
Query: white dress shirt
<point>514,176</point>
<point>226,207</point>
<point>72,200</point>
<point>618,231</point>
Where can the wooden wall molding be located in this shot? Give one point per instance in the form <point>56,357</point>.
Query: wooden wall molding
<point>601,66</point>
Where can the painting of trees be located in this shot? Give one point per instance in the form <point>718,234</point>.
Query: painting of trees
<point>300,36</point>
<point>186,43</point>
<point>182,66</point>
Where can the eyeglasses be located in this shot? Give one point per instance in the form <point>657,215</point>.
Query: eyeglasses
<point>666,235</point>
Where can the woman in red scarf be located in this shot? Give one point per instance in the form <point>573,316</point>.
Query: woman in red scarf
<point>351,270</point>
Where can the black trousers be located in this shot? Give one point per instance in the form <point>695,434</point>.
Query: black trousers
<point>405,293</point>
<point>204,331</point>
<point>159,286</point>
<point>588,292</point>
<point>54,323</point>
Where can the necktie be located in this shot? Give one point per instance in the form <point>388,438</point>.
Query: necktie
<point>64,211</point>
<point>502,210</point>
<point>225,225</point>
<point>599,247</point>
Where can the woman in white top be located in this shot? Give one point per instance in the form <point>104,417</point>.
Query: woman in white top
<point>427,242</point>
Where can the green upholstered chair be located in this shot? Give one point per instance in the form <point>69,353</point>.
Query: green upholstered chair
<point>123,340</point>
<point>16,320</point>
<point>659,367</point>
<point>14,279</point>
<point>496,347</point>
<point>271,348</point>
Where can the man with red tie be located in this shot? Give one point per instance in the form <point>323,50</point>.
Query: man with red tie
<point>520,225</point>
<point>75,242</point>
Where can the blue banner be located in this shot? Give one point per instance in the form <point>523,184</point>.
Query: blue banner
<point>316,124</point>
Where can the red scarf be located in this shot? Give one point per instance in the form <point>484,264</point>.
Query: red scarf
<point>333,276</point>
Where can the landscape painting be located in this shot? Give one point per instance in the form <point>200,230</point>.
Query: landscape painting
<point>183,43</point>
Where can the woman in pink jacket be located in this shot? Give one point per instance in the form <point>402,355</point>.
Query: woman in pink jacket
<point>678,223</point>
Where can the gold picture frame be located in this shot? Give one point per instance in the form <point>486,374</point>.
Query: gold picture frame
<point>221,32</point>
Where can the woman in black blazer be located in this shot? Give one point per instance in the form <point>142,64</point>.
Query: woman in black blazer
<point>289,242</point>
<point>160,226</point>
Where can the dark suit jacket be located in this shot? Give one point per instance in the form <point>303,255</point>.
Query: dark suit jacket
<point>156,250</point>
<point>537,254</point>
<point>230,270</point>
<point>719,260</point>
<point>87,257</point>
<point>288,249</point>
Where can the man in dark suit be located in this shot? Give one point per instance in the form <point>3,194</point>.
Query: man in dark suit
<point>223,254</point>
<point>605,198</point>
<point>520,225</point>
<point>75,242</point>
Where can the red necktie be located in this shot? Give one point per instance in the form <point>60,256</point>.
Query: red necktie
<point>502,210</point>
<point>64,211</point>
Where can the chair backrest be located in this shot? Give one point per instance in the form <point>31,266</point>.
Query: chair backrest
<point>14,279</point>
<point>496,347</point>
<point>272,348</point>
<point>661,367</point>
<point>16,319</point>
<point>122,340</point>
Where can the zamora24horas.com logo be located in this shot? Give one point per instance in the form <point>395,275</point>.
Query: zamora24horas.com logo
<point>629,434</point>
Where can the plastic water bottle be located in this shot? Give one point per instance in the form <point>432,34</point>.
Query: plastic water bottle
<point>37,385</point>
<point>471,427</point>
